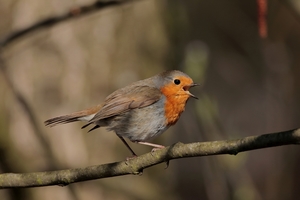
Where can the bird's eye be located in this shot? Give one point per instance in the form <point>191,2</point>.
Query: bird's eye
<point>177,81</point>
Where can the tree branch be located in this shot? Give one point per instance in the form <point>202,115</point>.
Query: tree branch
<point>74,12</point>
<point>136,165</point>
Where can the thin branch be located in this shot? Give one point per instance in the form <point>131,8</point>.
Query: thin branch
<point>136,165</point>
<point>52,162</point>
<point>72,13</point>
<point>30,114</point>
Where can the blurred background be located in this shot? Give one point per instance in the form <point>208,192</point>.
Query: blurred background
<point>249,86</point>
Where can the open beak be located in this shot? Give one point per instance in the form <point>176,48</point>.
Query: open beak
<point>187,87</point>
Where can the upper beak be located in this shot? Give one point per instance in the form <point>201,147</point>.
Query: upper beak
<point>187,87</point>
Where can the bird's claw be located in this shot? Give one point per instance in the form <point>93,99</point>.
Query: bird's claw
<point>130,158</point>
<point>155,149</point>
<point>167,164</point>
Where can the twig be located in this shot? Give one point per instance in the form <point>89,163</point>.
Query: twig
<point>137,165</point>
<point>74,12</point>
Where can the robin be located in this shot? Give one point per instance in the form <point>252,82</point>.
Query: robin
<point>140,111</point>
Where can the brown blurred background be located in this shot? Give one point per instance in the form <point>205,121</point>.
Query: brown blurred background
<point>250,86</point>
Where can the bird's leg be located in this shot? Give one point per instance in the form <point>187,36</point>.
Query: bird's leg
<point>134,155</point>
<point>156,146</point>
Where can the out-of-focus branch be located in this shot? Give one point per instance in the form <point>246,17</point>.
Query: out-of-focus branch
<point>29,112</point>
<point>74,12</point>
<point>136,165</point>
<point>52,162</point>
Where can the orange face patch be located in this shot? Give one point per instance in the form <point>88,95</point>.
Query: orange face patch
<point>176,98</point>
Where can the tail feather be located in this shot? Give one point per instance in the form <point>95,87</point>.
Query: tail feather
<point>84,115</point>
<point>84,126</point>
<point>61,120</point>
<point>95,127</point>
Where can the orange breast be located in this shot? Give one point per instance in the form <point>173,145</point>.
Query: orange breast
<point>175,103</point>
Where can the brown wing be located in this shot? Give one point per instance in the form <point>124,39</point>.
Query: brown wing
<point>122,101</point>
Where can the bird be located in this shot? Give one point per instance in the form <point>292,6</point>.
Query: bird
<point>139,111</point>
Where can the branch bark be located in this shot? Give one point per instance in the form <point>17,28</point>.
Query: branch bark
<point>136,165</point>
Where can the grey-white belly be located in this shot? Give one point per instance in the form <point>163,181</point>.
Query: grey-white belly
<point>140,124</point>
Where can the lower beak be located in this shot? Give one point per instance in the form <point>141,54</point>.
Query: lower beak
<point>188,92</point>
<point>191,95</point>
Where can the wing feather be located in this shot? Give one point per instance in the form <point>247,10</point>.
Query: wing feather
<point>123,101</point>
